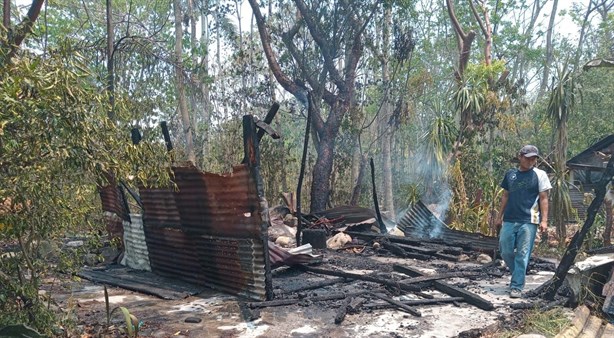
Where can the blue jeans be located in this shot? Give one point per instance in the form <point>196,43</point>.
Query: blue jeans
<point>516,243</point>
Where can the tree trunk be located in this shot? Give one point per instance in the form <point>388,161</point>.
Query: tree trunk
<point>6,14</point>
<point>519,67</point>
<point>204,81</point>
<point>585,22</point>
<point>21,31</point>
<point>464,41</point>
<point>320,187</point>
<point>110,63</point>
<point>549,50</point>
<point>385,129</point>
<point>321,77</point>
<point>179,82</point>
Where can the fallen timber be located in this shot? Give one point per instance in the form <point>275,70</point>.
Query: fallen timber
<point>382,305</point>
<point>317,285</point>
<point>405,285</point>
<point>397,304</point>
<point>292,301</point>
<point>451,290</point>
<point>343,310</point>
<point>413,248</point>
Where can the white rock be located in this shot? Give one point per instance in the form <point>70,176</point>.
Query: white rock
<point>338,241</point>
<point>484,259</point>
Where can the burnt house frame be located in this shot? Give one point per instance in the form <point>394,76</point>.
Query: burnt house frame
<point>212,230</point>
<point>586,169</point>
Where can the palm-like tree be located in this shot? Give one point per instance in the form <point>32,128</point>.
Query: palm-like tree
<point>560,105</point>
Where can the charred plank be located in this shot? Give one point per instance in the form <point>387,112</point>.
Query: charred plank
<point>451,290</point>
<point>403,286</point>
<point>380,305</point>
<point>356,304</point>
<point>319,284</point>
<point>397,304</point>
<point>342,311</point>
<point>292,301</point>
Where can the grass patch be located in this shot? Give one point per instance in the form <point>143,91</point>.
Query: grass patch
<point>548,323</point>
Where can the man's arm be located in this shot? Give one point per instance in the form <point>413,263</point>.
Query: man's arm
<point>543,211</point>
<point>499,219</point>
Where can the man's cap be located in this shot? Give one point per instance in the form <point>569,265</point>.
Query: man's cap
<point>529,151</point>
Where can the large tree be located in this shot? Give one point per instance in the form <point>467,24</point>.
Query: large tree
<point>325,70</point>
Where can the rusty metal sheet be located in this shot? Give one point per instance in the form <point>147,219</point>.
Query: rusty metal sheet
<point>160,208</point>
<point>220,205</point>
<point>172,254</point>
<point>419,222</point>
<point>113,201</point>
<point>210,231</point>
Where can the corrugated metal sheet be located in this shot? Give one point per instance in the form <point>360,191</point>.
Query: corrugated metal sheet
<point>172,254</point>
<point>211,231</point>
<point>113,199</point>
<point>136,254</point>
<point>161,210</point>
<point>420,223</point>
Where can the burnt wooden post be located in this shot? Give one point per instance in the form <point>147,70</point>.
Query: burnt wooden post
<point>167,136</point>
<point>252,160</point>
<point>550,288</point>
<point>269,118</point>
<point>382,226</point>
<point>299,188</point>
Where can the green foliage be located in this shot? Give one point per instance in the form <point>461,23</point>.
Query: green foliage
<point>561,105</point>
<point>56,146</point>
<point>132,323</point>
<point>476,197</point>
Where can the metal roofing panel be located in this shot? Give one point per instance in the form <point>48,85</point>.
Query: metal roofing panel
<point>211,231</point>
<point>419,222</point>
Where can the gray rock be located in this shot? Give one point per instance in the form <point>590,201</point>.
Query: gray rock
<point>74,244</point>
<point>193,320</point>
<point>109,253</point>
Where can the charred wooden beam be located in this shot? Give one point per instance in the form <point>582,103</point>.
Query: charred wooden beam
<point>356,304</point>
<point>451,290</point>
<point>446,275</point>
<point>424,295</point>
<point>267,120</point>
<point>394,249</point>
<point>264,127</point>
<point>428,252</point>
<point>397,304</point>
<point>292,301</point>
<point>319,284</point>
<point>343,310</point>
<point>416,302</point>
<point>405,286</point>
<point>380,220</point>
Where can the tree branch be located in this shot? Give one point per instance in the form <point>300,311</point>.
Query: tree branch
<point>265,37</point>
<point>325,49</point>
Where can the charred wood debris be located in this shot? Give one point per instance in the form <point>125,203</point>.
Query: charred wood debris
<point>337,280</point>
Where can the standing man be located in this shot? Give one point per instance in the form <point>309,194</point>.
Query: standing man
<point>524,206</point>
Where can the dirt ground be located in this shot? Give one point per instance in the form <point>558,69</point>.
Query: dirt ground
<point>214,314</point>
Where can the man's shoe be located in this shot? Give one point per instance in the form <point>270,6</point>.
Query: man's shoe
<point>515,293</point>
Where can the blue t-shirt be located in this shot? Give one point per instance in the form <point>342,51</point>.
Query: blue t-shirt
<point>523,189</point>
